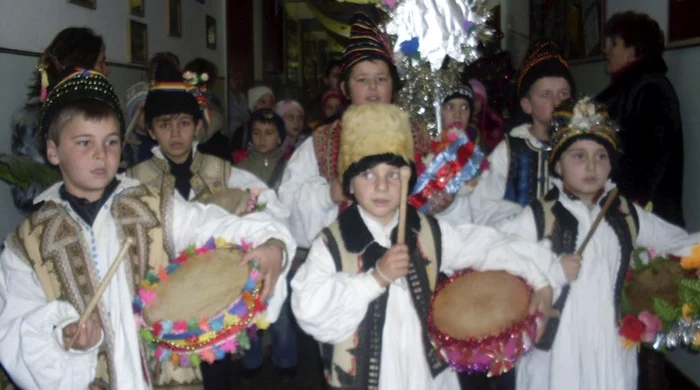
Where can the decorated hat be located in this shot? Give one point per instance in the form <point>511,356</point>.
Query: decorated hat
<point>79,85</point>
<point>459,91</point>
<point>256,93</point>
<point>174,92</point>
<point>370,131</point>
<point>543,60</point>
<point>267,115</point>
<point>366,42</point>
<point>581,119</point>
<point>283,106</point>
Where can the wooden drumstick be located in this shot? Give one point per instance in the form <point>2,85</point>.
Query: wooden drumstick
<point>100,290</point>
<point>405,176</point>
<point>596,222</point>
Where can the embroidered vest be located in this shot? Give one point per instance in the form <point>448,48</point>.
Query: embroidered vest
<point>326,141</point>
<point>556,223</point>
<point>355,362</point>
<point>528,175</point>
<point>209,174</point>
<point>51,241</point>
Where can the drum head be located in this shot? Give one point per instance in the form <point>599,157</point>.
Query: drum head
<point>202,287</point>
<point>480,304</point>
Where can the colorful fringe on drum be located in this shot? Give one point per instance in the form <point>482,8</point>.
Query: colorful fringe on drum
<point>495,354</point>
<point>458,163</point>
<point>189,342</point>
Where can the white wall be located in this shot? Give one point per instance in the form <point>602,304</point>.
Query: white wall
<point>30,25</point>
<point>683,66</point>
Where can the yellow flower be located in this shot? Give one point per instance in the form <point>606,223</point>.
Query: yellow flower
<point>261,322</point>
<point>687,311</point>
<point>628,344</point>
<point>692,261</point>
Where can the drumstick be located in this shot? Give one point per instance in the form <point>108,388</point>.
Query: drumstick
<point>405,176</point>
<point>100,290</point>
<point>596,222</point>
<point>550,331</point>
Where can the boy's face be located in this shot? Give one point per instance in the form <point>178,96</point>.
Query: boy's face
<point>378,191</point>
<point>87,154</point>
<point>456,110</point>
<point>175,135</point>
<point>266,138</point>
<point>331,107</point>
<point>266,101</point>
<point>293,122</point>
<point>369,82</point>
<point>584,168</point>
<point>544,95</point>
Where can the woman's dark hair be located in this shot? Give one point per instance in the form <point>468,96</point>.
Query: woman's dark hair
<point>199,66</point>
<point>157,60</point>
<point>637,30</point>
<point>72,47</point>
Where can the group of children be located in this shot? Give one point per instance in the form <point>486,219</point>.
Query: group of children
<point>363,296</point>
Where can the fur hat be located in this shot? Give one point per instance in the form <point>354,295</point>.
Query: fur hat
<point>543,60</point>
<point>255,93</point>
<point>366,42</point>
<point>80,84</point>
<point>581,119</point>
<point>371,130</point>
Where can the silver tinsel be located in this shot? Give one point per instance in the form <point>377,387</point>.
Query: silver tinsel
<point>445,28</point>
<point>682,332</point>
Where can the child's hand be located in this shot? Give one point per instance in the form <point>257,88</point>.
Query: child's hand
<point>337,191</point>
<point>393,265</point>
<point>88,335</point>
<point>270,256</point>
<point>541,301</point>
<point>439,202</point>
<point>571,264</point>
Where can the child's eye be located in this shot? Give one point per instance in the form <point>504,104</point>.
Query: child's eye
<point>603,156</point>
<point>113,142</point>
<point>361,80</point>
<point>394,175</point>
<point>464,108</point>
<point>382,79</point>
<point>367,175</point>
<point>83,143</point>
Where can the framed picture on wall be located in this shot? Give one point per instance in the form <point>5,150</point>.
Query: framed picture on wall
<point>683,28</point>
<point>137,7</point>
<point>138,42</point>
<point>202,1</point>
<point>174,18</point>
<point>211,32</point>
<point>575,25</point>
<point>85,3</point>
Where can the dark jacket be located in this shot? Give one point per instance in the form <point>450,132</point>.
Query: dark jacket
<point>644,103</point>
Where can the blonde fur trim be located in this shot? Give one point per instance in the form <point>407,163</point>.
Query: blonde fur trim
<point>372,129</point>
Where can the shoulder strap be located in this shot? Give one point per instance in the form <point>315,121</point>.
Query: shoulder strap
<point>332,246</point>
<point>437,234</point>
<point>276,174</point>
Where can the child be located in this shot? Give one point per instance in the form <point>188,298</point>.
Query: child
<point>517,171</point>
<point>332,104</point>
<point>352,293</point>
<point>310,187</point>
<point>174,118</point>
<point>266,158</point>
<point>297,132</point>
<point>587,352</point>
<point>138,143</point>
<point>55,259</point>
<point>455,112</point>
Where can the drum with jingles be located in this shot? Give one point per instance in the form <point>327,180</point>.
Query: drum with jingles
<point>202,305</point>
<point>479,321</point>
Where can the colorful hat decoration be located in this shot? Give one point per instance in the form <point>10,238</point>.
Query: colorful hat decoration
<point>544,59</point>
<point>366,42</point>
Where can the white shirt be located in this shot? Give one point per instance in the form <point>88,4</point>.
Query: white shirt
<point>587,352</point>
<point>31,345</point>
<point>330,305</point>
<point>488,207</point>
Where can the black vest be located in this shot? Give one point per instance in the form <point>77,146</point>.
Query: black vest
<point>528,176</point>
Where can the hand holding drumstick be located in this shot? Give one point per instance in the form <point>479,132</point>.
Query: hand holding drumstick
<point>394,263</point>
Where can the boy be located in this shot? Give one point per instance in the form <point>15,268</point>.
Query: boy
<point>174,118</point>
<point>310,187</point>
<point>266,158</point>
<point>352,294</point>
<point>587,352</point>
<point>517,171</point>
<point>55,259</point>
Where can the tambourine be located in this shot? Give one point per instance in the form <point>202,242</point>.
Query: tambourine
<point>479,321</point>
<point>202,306</point>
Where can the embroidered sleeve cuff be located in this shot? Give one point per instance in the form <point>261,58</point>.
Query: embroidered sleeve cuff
<point>371,287</point>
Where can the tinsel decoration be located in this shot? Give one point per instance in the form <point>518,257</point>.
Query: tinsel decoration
<point>433,42</point>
